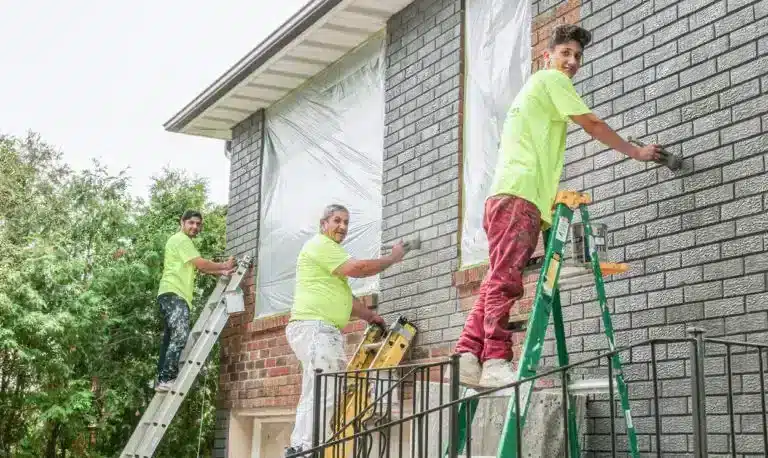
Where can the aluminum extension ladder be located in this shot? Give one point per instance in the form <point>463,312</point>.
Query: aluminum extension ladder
<point>547,301</point>
<point>154,423</point>
<point>380,349</point>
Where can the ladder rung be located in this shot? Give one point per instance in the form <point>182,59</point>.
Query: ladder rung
<point>373,346</point>
<point>591,386</point>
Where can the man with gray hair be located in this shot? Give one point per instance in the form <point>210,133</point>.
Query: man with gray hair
<point>322,307</point>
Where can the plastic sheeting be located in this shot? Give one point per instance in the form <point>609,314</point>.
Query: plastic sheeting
<point>324,144</point>
<point>498,47</point>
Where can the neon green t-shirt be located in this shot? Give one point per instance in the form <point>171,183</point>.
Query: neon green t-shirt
<point>319,294</point>
<point>532,148</point>
<point>178,273</point>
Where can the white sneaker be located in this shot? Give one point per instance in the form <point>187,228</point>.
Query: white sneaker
<point>165,386</point>
<point>497,372</point>
<point>469,369</point>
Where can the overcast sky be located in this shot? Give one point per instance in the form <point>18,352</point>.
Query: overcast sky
<point>99,79</point>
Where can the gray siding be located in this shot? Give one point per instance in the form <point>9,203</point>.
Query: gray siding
<point>691,75</point>
<point>421,165</point>
<point>221,433</point>
<point>242,222</point>
<point>245,186</point>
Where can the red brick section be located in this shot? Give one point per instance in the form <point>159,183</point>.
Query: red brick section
<point>258,368</point>
<point>568,12</point>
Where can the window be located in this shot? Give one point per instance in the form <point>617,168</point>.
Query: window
<point>498,62</point>
<point>324,144</point>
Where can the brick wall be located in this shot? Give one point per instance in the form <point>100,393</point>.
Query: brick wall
<point>691,75</point>
<point>245,186</point>
<point>422,170</point>
<point>688,74</point>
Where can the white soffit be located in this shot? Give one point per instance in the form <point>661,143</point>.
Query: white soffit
<point>318,35</point>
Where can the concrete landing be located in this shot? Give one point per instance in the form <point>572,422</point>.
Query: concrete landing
<point>542,434</point>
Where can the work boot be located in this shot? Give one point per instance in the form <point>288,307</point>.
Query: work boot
<point>162,387</point>
<point>497,372</point>
<point>469,369</point>
<point>292,451</point>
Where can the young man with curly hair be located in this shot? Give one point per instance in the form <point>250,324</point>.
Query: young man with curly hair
<point>523,190</point>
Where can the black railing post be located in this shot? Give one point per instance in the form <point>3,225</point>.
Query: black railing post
<point>453,416</point>
<point>316,410</point>
<point>698,394</point>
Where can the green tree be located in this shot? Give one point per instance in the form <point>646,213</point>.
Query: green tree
<point>79,327</point>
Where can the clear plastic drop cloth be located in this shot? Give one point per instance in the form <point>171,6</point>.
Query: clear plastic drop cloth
<point>324,144</point>
<point>498,47</point>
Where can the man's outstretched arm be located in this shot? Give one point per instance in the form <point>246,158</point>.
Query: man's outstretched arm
<point>215,268</point>
<point>601,131</point>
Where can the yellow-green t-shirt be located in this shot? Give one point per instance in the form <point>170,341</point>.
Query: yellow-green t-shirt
<point>532,147</point>
<point>319,294</point>
<point>178,272</point>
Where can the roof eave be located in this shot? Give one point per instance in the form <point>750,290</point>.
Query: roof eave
<point>282,37</point>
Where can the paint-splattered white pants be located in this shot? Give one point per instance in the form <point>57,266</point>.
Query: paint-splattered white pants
<point>317,345</point>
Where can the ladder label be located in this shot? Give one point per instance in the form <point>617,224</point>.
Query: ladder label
<point>549,280</point>
<point>562,229</point>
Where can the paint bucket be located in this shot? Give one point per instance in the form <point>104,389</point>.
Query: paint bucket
<point>583,247</point>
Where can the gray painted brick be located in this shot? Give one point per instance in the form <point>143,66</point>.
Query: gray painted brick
<point>699,108</point>
<point>742,246</point>
<point>685,312</point>
<point>698,72</point>
<point>714,233</point>
<point>663,262</point>
<point>713,158</point>
<point>753,185</point>
<point>702,16</point>
<point>702,180</point>
<point>695,38</point>
<point>703,291</point>
<point>742,207</point>
<point>750,31</point>
<point>676,206</point>
<point>737,56</point>
<point>711,121</point>
<point>677,241</point>
<point>746,323</point>
<point>710,50</point>
<point>741,130</point>
<point>740,93</point>
<point>711,85</point>
<point>684,276</point>
<point>756,263</point>
<point>747,109</point>
<point>660,54</point>
<point>723,307</point>
<point>723,269</point>
<point>749,70</point>
<point>714,195</point>
<point>750,147</point>
<point>744,285</point>
<point>752,224</point>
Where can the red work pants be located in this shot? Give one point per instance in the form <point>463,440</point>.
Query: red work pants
<point>512,225</point>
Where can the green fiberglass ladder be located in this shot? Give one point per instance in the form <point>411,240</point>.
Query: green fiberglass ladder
<point>547,301</point>
<point>225,299</point>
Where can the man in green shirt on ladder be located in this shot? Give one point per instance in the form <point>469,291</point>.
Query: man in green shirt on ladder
<point>519,206</point>
<point>174,296</point>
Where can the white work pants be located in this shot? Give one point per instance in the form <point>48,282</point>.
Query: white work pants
<point>317,345</point>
